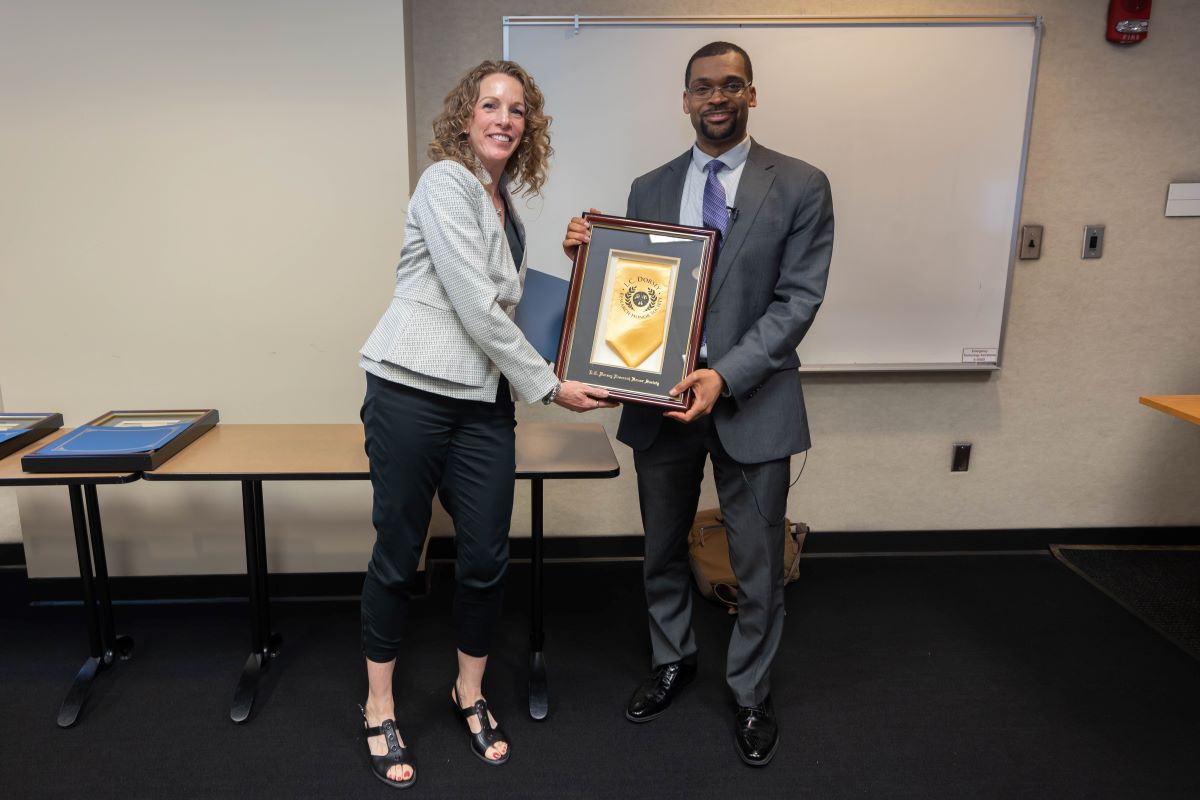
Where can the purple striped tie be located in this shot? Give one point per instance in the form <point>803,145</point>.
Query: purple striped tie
<point>716,214</point>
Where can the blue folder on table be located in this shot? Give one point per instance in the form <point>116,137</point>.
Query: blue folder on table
<point>541,310</point>
<point>98,440</point>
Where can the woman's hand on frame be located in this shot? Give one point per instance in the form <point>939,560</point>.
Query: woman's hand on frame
<point>581,397</point>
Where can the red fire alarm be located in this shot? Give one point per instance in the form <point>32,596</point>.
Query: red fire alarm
<point>1128,21</point>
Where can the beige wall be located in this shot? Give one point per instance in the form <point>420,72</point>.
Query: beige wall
<point>203,206</point>
<point>10,518</point>
<point>255,162</point>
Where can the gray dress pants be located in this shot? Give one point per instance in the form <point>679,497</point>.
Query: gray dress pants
<point>754,501</point>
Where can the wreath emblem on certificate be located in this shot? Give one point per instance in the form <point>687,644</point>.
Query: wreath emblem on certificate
<point>641,298</point>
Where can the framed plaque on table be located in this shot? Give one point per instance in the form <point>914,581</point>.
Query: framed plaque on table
<point>21,430</point>
<point>123,441</point>
<point>635,309</point>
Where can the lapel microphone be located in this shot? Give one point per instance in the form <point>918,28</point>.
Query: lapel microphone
<point>733,213</point>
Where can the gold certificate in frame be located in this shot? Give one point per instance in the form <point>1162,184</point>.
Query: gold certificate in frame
<point>632,322</point>
<point>635,309</point>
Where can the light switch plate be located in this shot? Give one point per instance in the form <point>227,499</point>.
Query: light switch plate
<point>1093,241</point>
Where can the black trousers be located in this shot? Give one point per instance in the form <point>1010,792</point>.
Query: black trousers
<point>419,443</point>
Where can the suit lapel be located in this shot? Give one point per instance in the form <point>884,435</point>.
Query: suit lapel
<point>757,177</point>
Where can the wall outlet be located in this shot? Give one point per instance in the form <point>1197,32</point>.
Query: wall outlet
<point>1093,241</point>
<point>1031,242</point>
<point>961,459</point>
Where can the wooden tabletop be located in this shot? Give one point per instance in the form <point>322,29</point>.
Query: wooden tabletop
<point>564,450</point>
<point>279,452</point>
<point>335,452</point>
<point>1184,406</point>
<point>11,473</point>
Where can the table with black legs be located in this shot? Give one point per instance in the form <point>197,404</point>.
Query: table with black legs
<point>252,454</point>
<point>105,645</point>
<point>553,451</point>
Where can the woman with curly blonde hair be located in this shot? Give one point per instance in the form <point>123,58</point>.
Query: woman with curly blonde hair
<point>443,365</point>
<point>527,166</point>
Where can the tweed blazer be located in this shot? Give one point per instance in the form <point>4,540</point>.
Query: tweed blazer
<point>767,284</point>
<point>449,327</point>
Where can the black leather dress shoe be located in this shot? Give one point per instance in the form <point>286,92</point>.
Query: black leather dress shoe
<point>756,733</point>
<point>654,696</point>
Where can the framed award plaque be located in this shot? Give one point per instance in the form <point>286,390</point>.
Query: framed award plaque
<point>122,441</point>
<point>20,430</point>
<point>635,309</point>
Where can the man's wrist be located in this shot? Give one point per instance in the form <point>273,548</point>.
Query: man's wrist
<point>553,393</point>
<point>724,392</point>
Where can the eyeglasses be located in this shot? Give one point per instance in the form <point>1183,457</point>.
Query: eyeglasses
<point>731,89</point>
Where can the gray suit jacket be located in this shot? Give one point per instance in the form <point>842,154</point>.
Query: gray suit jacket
<point>768,282</point>
<point>449,328</point>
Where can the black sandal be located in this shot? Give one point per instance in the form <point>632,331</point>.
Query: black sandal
<point>396,754</point>
<point>487,736</point>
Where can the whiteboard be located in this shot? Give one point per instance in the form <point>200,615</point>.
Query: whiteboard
<point>922,126</point>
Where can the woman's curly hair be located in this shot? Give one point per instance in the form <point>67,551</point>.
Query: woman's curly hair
<point>526,167</point>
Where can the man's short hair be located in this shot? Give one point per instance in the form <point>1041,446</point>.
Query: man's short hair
<point>718,49</point>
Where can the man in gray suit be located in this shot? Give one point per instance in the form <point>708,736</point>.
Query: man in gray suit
<point>775,214</point>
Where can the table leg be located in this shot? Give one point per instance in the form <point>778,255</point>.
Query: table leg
<point>539,693</point>
<point>263,645</point>
<point>273,640</point>
<point>243,695</point>
<point>68,713</point>
<point>114,644</point>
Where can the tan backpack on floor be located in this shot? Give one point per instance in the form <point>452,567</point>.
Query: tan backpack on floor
<point>708,552</point>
